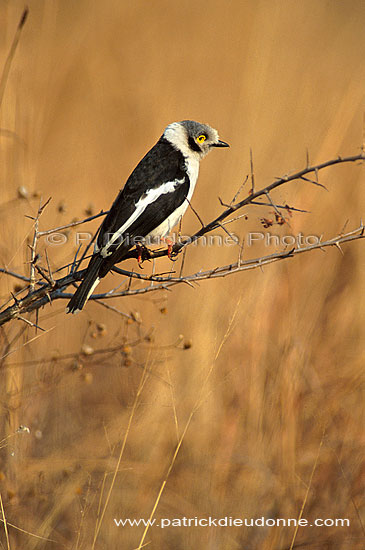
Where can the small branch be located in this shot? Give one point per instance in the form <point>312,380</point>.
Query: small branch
<point>233,237</point>
<point>30,323</point>
<point>40,297</point>
<point>112,308</point>
<point>13,274</point>
<point>72,224</point>
<point>49,269</point>
<point>251,198</point>
<point>279,216</point>
<point>314,182</point>
<point>55,289</point>
<point>33,246</point>
<point>43,274</point>
<point>196,213</point>
<point>240,265</point>
<point>281,206</point>
<point>234,219</point>
<point>33,257</point>
<point>183,262</point>
<point>239,191</point>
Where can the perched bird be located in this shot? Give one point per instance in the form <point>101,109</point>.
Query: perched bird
<point>153,200</point>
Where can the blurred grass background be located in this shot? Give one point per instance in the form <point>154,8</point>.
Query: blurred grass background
<point>91,88</point>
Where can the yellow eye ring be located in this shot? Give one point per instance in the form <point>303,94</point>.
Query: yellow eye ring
<point>201,138</point>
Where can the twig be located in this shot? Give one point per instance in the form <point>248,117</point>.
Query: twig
<point>33,246</point>
<point>30,323</point>
<point>280,217</point>
<point>182,262</point>
<point>239,190</point>
<point>233,237</point>
<point>55,289</point>
<point>314,182</point>
<point>281,206</point>
<point>233,219</point>
<point>41,296</point>
<point>195,212</point>
<point>13,274</point>
<point>112,308</point>
<point>249,199</point>
<point>41,272</point>
<point>72,224</point>
<point>49,268</point>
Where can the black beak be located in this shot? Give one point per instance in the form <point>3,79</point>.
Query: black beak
<point>220,143</point>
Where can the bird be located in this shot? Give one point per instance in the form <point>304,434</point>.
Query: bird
<point>153,200</point>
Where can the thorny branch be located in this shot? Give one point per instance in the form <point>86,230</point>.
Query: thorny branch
<point>49,289</point>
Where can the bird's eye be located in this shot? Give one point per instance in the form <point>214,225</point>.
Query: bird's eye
<point>201,138</point>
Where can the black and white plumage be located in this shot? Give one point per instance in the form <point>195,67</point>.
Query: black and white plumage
<point>153,200</point>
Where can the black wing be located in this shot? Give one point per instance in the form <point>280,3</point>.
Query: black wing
<point>155,213</point>
<point>162,163</point>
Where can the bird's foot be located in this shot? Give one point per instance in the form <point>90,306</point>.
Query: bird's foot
<point>170,245</point>
<point>143,254</point>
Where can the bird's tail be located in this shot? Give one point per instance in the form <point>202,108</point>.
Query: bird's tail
<point>87,286</point>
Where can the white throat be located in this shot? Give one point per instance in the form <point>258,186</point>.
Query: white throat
<point>176,134</point>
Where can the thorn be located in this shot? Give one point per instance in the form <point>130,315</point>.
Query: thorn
<point>223,203</point>
<point>188,283</point>
<point>41,208</point>
<point>290,253</point>
<point>49,268</point>
<point>73,265</point>
<point>344,225</point>
<point>233,237</point>
<point>129,283</point>
<point>17,302</point>
<point>44,275</point>
<point>339,248</point>
<point>314,182</point>
<point>30,323</point>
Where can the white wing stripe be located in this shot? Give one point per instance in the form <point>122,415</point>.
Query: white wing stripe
<point>151,196</point>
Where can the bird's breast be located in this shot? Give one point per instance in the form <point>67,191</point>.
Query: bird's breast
<point>192,169</point>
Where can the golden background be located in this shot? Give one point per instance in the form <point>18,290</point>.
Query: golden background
<point>266,397</point>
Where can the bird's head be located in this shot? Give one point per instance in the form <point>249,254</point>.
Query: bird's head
<point>193,138</point>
